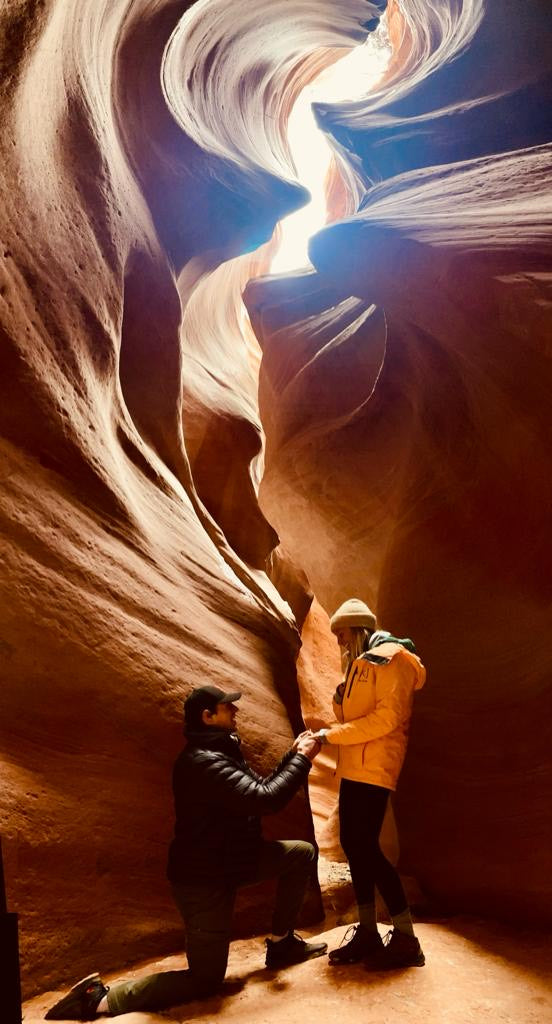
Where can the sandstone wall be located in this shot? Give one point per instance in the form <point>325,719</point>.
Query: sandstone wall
<point>133,545</point>
<point>404,395</point>
<point>410,444</point>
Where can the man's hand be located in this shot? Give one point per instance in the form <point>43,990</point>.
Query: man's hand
<point>300,737</point>
<point>308,746</point>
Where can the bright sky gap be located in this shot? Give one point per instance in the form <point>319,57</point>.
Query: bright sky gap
<point>350,78</point>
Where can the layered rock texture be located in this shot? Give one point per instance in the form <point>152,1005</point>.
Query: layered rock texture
<point>403,391</point>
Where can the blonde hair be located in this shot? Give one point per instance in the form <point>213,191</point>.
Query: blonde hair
<point>359,643</point>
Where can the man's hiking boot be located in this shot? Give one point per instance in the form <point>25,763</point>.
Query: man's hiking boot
<point>358,944</point>
<point>81,1002</point>
<point>402,950</point>
<point>291,950</point>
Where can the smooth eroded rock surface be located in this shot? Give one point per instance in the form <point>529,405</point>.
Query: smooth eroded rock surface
<point>403,398</point>
<point>407,454</point>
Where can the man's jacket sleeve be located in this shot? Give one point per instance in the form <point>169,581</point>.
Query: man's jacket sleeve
<point>249,794</point>
<point>272,775</point>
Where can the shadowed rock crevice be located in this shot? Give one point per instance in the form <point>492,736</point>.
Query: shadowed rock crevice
<point>150,363</point>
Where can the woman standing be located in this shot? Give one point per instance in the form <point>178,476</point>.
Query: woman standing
<point>372,707</point>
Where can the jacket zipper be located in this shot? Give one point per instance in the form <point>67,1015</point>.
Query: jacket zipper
<point>353,677</point>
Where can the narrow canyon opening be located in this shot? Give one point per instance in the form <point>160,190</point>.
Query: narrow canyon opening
<point>348,77</point>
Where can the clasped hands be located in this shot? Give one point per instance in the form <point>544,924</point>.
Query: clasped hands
<point>307,743</point>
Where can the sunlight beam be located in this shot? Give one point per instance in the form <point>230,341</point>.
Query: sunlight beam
<point>349,78</point>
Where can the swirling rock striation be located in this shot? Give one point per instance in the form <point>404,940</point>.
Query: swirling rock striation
<point>431,498</point>
<point>133,544</point>
<point>403,392</point>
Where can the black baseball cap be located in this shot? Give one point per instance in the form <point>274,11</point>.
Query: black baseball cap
<point>205,698</point>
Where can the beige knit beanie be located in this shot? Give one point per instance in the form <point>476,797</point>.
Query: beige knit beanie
<point>353,613</point>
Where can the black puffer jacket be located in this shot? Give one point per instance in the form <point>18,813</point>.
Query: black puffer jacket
<point>218,803</point>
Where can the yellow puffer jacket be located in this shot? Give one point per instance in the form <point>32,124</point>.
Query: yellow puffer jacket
<point>374,715</point>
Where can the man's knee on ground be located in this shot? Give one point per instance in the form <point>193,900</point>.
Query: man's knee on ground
<point>208,978</point>
<point>208,986</point>
<point>207,960</point>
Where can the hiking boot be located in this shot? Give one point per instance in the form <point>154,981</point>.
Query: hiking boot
<point>292,950</point>
<point>402,950</point>
<point>81,1002</point>
<point>357,944</point>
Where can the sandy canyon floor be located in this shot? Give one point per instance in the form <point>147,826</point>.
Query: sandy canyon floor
<point>475,972</point>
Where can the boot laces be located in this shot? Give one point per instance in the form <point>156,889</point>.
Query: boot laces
<point>350,935</point>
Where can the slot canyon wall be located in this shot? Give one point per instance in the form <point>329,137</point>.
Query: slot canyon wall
<point>404,394</point>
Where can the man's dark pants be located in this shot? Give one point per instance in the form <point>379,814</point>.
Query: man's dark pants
<point>207,911</point>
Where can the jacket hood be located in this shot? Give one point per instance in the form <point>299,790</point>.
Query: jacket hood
<point>381,636</point>
<point>389,645</point>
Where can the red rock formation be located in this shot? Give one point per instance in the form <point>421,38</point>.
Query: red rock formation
<point>132,564</point>
<point>423,481</point>
<point>143,157</point>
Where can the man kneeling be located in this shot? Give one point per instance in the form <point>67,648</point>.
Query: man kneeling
<point>217,847</point>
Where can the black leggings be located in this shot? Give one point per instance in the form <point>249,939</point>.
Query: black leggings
<point>361,813</point>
